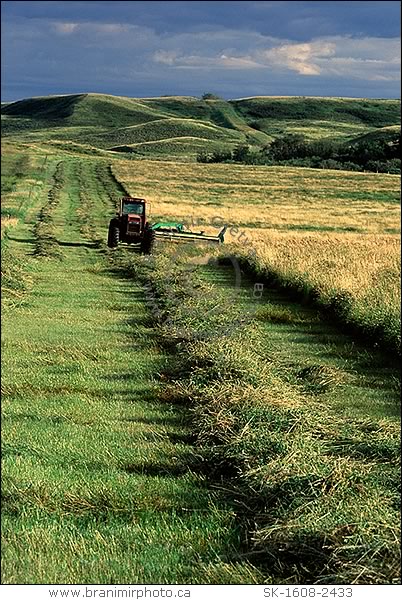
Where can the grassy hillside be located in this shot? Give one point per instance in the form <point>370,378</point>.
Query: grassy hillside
<point>83,109</point>
<point>163,129</point>
<point>105,121</point>
<point>219,112</point>
<point>48,108</point>
<point>375,113</point>
<point>383,134</point>
<point>338,118</point>
<point>175,147</point>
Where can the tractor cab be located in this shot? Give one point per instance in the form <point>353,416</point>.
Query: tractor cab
<point>132,206</point>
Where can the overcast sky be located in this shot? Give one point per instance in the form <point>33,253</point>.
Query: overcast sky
<point>233,49</point>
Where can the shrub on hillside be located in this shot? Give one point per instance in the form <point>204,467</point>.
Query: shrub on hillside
<point>210,96</point>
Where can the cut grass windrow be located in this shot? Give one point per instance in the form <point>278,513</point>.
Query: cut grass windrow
<point>44,231</point>
<point>22,180</point>
<point>13,275</point>
<point>112,185</point>
<point>314,483</point>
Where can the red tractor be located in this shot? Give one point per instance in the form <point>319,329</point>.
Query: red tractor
<point>130,225</point>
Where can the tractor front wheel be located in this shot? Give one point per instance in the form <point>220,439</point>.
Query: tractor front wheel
<point>148,241</point>
<point>113,237</point>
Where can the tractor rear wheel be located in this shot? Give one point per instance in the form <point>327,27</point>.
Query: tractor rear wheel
<point>113,237</point>
<point>148,240</point>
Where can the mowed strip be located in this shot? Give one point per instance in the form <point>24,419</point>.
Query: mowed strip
<point>97,478</point>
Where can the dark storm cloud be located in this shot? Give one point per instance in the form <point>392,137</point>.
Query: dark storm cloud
<point>294,19</point>
<point>232,48</point>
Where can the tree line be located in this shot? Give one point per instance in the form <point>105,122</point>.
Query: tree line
<point>379,156</point>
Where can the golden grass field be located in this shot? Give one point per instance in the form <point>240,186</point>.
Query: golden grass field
<point>364,269</point>
<point>334,231</point>
<point>266,197</point>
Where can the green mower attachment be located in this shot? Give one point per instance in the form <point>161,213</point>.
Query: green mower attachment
<point>176,232</point>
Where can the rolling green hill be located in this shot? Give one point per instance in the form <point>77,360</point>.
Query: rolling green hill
<point>166,128</point>
<point>49,108</point>
<point>184,125</point>
<point>385,134</point>
<point>185,145</point>
<point>317,117</point>
<point>374,113</point>
<point>83,109</point>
